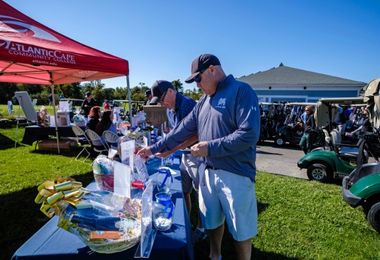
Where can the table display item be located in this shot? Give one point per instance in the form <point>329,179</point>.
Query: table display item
<point>105,222</point>
<point>163,179</point>
<point>63,118</point>
<point>155,115</point>
<point>163,211</point>
<point>103,172</point>
<point>79,120</point>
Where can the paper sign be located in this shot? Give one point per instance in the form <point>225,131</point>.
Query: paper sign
<point>64,106</point>
<point>127,152</point>
<point>52,121</point>
<point>122,179</point>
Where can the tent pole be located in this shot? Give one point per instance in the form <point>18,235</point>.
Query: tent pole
<point>129,100</point>
<point>55,114</point>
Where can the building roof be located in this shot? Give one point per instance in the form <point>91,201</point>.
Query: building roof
<point>288,76</point>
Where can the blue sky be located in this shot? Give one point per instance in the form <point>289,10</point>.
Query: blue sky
<point>160,38</point>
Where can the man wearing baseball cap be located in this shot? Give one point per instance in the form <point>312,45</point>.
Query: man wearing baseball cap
<point>159,90</point>
<point>227,122</point>
<point>178,107</point>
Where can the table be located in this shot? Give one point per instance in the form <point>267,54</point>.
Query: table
<point>51,242</point>
<point>35,133</point>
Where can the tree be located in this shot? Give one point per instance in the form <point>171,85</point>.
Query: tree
<point>72,90</point>
<point>7,91</point>
<point>177,84</point>
<point>120,93</point>
<point>194,94</point>
<point>108,93</point>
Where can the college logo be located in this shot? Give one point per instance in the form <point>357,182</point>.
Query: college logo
<point>221,103</point>
<point>10,24</point>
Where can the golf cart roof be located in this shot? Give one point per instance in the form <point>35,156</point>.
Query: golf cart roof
<point>343,100</point>
<point>301,104</point>
<point>270,103</point>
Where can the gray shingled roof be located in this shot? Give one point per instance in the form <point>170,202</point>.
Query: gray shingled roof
<point>284,75</point>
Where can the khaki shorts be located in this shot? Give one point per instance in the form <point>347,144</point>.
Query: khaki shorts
<point>226,196</point>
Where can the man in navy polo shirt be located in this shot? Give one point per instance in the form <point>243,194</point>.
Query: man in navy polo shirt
<point>178,106</point>
<point>227,122</point>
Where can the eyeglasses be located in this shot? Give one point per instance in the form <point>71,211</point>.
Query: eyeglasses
<point>198,77</point>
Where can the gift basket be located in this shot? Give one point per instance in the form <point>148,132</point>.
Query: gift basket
<point>79,120</point>
<point>105,222</point>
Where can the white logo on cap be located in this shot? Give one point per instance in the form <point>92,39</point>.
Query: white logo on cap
<point>11,25</point>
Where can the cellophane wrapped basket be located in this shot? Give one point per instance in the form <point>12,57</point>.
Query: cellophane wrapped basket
<point>105,222</point>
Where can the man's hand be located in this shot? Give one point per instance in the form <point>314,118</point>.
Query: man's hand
<point>200,149</point>
<point>144,152</point>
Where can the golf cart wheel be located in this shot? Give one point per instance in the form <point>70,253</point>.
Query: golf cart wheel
<point>279,141</point>
<point>319,172</point>
<point>373,216</point>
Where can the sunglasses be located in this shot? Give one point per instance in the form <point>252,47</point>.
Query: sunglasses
<point>198,77</point>
<point>163,96</point>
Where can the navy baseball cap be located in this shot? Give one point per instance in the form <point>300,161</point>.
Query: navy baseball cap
<point>200,64</point>
<point>158,89</point>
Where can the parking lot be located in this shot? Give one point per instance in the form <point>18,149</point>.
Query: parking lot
<point>279,160</point>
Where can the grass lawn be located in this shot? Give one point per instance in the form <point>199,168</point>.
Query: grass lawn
<point>17,110</point>
<point>297,218</point>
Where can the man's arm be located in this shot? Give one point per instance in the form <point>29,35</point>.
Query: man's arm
<point>193,139</point>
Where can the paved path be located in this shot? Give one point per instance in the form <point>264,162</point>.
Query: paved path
<point>282,161</point>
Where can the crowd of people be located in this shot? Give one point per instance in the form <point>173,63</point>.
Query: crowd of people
<point>350,121</point>
<point>220,133</point>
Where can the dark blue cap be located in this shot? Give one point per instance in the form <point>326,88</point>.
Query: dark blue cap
<point>200,64</point>
<point>158,89</point>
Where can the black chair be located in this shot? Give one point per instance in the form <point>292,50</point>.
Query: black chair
<point>81,141</point>
<point>97,144</point>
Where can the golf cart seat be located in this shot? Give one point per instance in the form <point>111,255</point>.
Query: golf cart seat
<point>346,151</point>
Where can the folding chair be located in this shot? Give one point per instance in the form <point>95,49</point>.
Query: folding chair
<point>82,141</point>
<point>111,138</point>
<point>97,144</point>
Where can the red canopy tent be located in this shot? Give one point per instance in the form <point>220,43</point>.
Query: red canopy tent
<point>32,53</point>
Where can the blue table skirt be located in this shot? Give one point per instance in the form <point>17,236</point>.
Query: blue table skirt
<point>51,242</point>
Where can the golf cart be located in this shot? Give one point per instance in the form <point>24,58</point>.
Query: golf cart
<point>336,159</point>
<point>362,186</point>
<point>271,118</point>
<point>291,131</point>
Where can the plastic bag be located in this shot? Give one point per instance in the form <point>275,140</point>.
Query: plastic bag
<point>140,172</point>
<point>103,173</point>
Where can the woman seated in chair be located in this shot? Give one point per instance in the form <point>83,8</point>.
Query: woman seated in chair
<point>93,116</point>
<point>106,123</point>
